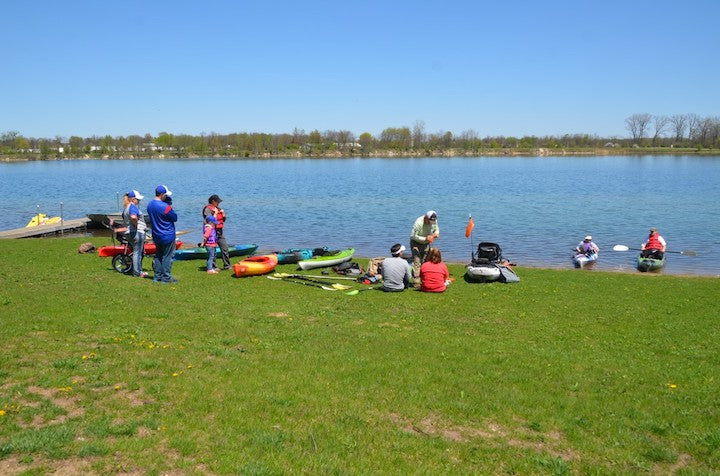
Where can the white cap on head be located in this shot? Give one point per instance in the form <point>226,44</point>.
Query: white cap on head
<point>431,215</point>
<point>588,238</point>
<point>162,189</point>
<point>135,194</point>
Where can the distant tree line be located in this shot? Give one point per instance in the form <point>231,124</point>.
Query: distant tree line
<point>646,130</point>
<point>689,130</point>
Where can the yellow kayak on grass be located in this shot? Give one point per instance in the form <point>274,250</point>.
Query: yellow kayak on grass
<point>42,219</point>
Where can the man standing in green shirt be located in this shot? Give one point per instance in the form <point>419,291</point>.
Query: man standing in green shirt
<point>424,232</point>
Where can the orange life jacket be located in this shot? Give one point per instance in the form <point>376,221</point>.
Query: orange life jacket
<point>219,215</point>
<point>653,242</point>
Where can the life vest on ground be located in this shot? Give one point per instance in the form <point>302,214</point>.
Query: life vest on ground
<point>653,242</point>
<point>218,213</point>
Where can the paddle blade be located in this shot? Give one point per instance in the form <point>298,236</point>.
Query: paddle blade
<point>688,253</point>
<point>620,248</point>
<point>469,227</point>
<point>353,292</point>
<point>341,287</point>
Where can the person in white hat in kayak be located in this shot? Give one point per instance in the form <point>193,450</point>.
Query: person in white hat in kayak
<point>587,247</point>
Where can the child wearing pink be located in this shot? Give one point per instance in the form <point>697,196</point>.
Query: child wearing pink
<point>434,273</point>
<point>210,242</point>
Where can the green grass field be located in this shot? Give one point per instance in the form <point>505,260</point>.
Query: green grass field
<point>565,372</point>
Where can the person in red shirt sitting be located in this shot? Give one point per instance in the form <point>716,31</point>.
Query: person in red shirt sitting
<point>434,273</point>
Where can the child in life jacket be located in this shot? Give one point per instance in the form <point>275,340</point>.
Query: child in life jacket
<point>210,242</point>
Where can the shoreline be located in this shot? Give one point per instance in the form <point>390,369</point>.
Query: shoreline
<point>387,153</point>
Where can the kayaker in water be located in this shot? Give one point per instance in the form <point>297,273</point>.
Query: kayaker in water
<point>655,245</point>
<point>395,271</point>
<point>587,247</point>
<point>434,273</point>
<point>425,230</point>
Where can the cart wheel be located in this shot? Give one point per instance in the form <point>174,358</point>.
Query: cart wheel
<point>122,263</point>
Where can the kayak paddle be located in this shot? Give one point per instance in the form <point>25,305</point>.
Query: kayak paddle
<point>625,248</point>
<point>315,285</point>
<point>295,275</point>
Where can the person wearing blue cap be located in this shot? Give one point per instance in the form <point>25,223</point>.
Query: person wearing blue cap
<point>135,222</point>
<point>210,242</point>
<point>162,221</point>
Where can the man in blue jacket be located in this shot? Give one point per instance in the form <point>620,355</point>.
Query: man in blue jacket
<point>162,220</point>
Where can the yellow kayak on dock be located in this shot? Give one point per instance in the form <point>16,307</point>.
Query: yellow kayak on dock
<point>42,219</point>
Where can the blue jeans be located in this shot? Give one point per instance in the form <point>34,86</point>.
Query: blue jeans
<point>162,264</point>
<point>211,250</point>
<point>137,240</point>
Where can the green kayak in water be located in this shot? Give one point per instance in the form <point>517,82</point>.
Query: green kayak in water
<point>650,263</point>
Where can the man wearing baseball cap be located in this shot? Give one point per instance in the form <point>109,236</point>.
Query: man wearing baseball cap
<point>136,228</point>
<point>213,209</point>
<point>162,220</point>
<point>425,230</point>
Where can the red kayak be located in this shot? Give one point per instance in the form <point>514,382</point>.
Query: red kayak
<point>150,249</point>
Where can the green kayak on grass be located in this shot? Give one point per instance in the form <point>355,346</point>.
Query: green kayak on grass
<point>330,258</point>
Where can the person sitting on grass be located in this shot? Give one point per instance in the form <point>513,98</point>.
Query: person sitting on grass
<point>434,273</point>
<point>395,271</point>
<point>210,242</point>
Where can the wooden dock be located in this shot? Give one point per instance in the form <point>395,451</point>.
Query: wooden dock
<point>45,230</point>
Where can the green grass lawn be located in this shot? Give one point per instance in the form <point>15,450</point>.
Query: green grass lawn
<point>565,372</point>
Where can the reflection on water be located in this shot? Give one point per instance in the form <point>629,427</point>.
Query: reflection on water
<point>537,209</point>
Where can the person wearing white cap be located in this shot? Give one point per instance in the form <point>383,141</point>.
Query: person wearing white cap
<point>162,220</point>
<point>395,270</point>
<point>135,223</point>
<point>587,247</point>
<point>425,230</point>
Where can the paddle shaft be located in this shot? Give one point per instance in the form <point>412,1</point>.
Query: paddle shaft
<point>285,275</point>
<point>311,280</point>
<point>306,283</point>
<point>688,253</point>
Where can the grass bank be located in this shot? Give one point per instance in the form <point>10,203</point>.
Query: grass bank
<point>564,372</point>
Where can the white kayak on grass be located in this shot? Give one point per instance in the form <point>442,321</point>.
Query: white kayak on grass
<point>483,272</point>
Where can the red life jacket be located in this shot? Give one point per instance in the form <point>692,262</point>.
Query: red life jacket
<point>653,242</point>
<point>219,215</point>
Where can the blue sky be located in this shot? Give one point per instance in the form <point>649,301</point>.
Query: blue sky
<point>508,68</point>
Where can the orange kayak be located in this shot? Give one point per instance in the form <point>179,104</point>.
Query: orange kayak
<point>150,249</point>
<point>255,265</point>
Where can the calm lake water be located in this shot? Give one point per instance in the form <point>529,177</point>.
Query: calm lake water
<point>537,209</point>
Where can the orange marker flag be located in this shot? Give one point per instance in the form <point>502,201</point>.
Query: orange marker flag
<point>469,227</point>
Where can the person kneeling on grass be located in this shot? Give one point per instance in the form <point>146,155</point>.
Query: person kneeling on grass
<point>395,271</point>
<point>210,242</point>
<point>434,273</point>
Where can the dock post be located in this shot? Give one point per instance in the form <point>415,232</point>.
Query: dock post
<point>38,215</point>
<point>62,220</point>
